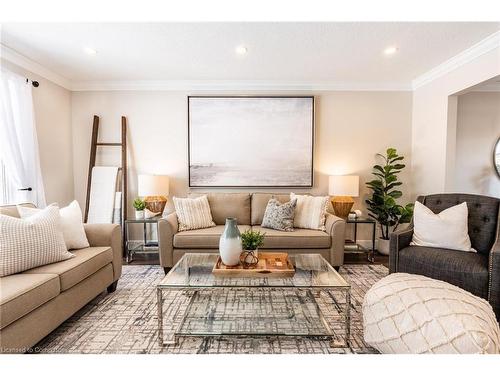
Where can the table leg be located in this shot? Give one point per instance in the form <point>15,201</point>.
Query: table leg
<point>348,318</point>
<point>159,297</point>
<point>373,241</point>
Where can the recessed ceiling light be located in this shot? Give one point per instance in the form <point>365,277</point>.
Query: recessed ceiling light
<point>241,50</point>
<point>390,50</point>
<point>89,51</point>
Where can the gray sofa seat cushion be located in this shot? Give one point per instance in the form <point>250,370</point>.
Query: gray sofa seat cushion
<point>86,262</point>
<point>206,238</point>
<point>22,293</point>
<point>466,270</point>
<point>298,239</point>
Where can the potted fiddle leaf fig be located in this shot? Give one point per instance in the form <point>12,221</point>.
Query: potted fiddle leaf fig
<point>383,204</point>
<point>139,206</point>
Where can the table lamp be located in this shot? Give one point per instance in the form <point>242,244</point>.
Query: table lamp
<point>342,189</point>
<point>154,189</point>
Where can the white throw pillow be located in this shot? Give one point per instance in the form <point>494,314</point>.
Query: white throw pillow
<point>193,213</point>
<point>31,242</point>
<point>448,229</point>
<point>71,224</point>
<point>310,212</point>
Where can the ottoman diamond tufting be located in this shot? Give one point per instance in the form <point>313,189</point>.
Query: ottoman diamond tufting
<point>405,313</point>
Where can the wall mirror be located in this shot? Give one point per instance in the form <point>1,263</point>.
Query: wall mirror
<point>496,157</point>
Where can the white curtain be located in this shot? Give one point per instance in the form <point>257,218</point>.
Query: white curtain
<point>18,140</point>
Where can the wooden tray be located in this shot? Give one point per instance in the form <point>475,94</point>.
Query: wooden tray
<point>269,265</point>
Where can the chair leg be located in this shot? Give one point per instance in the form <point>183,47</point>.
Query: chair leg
<point>112,287</point>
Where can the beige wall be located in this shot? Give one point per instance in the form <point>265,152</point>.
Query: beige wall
<point>478,128</point>
<point>432,163</point>
<point>351,127</point>
<point>52,105</point>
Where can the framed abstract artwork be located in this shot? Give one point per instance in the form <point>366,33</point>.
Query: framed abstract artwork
<point>251,141</point>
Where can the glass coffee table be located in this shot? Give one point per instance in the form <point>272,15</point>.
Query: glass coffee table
<point>315,302</point>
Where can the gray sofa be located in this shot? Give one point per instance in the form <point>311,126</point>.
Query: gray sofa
<point>249,210</point>
<point>478,273</point>
<point>35,302</point>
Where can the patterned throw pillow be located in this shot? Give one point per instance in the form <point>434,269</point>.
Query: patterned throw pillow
<point>193,213</point>
<point>279,216</point>
<point>310,212</point>
<point>31,242</point>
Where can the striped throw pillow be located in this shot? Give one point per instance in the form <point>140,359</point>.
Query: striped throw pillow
<point>193,213</point>
<point>31,242</point>
<point>310,212</point>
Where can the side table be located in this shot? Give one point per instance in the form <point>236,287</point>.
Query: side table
<point>144,246</point>
<point>352,246</point>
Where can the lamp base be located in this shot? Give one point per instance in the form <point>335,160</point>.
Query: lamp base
<point>156,203</point>
<point>342,206</point>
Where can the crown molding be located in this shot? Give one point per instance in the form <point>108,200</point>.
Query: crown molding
<point>22,61</point>
<point>182,85</point>
<point>477,50</point>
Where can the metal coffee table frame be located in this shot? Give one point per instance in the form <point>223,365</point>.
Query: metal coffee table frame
<point>194,290</point>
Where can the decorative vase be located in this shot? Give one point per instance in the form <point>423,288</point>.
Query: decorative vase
<point>139,215</point>
<point>383,246</point>
<point>230,243</point>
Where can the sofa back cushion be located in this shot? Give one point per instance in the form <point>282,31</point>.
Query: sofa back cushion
<point>259,204</point>
<point>483,216</point>
<point>11,210</point>
<point>224,205</point>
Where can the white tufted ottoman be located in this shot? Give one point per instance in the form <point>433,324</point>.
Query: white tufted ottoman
<point>405,313</point>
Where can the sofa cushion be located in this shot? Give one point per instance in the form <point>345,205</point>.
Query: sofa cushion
<point>259,204</point>
<point>298,239</point>
<point>224,205</point>
<point>86,262</point>
<point>22,293</point>
<point>466,270</point>
<point>207,238</point>
<point>11,210</point>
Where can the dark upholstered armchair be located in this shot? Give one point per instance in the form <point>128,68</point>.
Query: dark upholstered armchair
<point>478,273</point>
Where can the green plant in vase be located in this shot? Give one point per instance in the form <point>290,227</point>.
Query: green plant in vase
<point>139,206</point>
<point>383,205</point>
<point>251,240</point>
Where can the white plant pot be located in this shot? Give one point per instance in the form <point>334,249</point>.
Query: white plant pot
<point>139,215</point>
<point>383,246</point>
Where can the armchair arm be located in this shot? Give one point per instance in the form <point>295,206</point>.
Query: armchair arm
<point>107,235</point>
<point>399,240</point>
<point>335,227</point>
<point>494,279</point>
<point>167,228</point>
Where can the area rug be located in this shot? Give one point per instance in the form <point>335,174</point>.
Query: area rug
<point>126,322</point>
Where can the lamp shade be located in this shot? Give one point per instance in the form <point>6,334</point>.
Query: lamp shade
<point>152,185</point>
<point>343,186</point>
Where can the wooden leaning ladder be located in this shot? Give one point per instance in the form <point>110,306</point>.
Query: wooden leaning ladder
<point>93,154</point>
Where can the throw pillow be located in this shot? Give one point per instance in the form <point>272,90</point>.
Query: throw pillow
<point>31,242</point>
<point>279,215</point>
<point>448,229</point>
<point>71,224</point>
<point>193,213</point>
<point>310,212</point>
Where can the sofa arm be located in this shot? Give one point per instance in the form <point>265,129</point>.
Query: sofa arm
<point>399,240</point>
<point>107,235</point>
<point>335,227</point>
<point>167,228</point>
<point>494,279</point>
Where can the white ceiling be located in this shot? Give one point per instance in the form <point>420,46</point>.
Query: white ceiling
<point>343,53</point>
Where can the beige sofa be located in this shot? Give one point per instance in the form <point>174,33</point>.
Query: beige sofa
<point>249,210</point>
<point>35,302</point>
